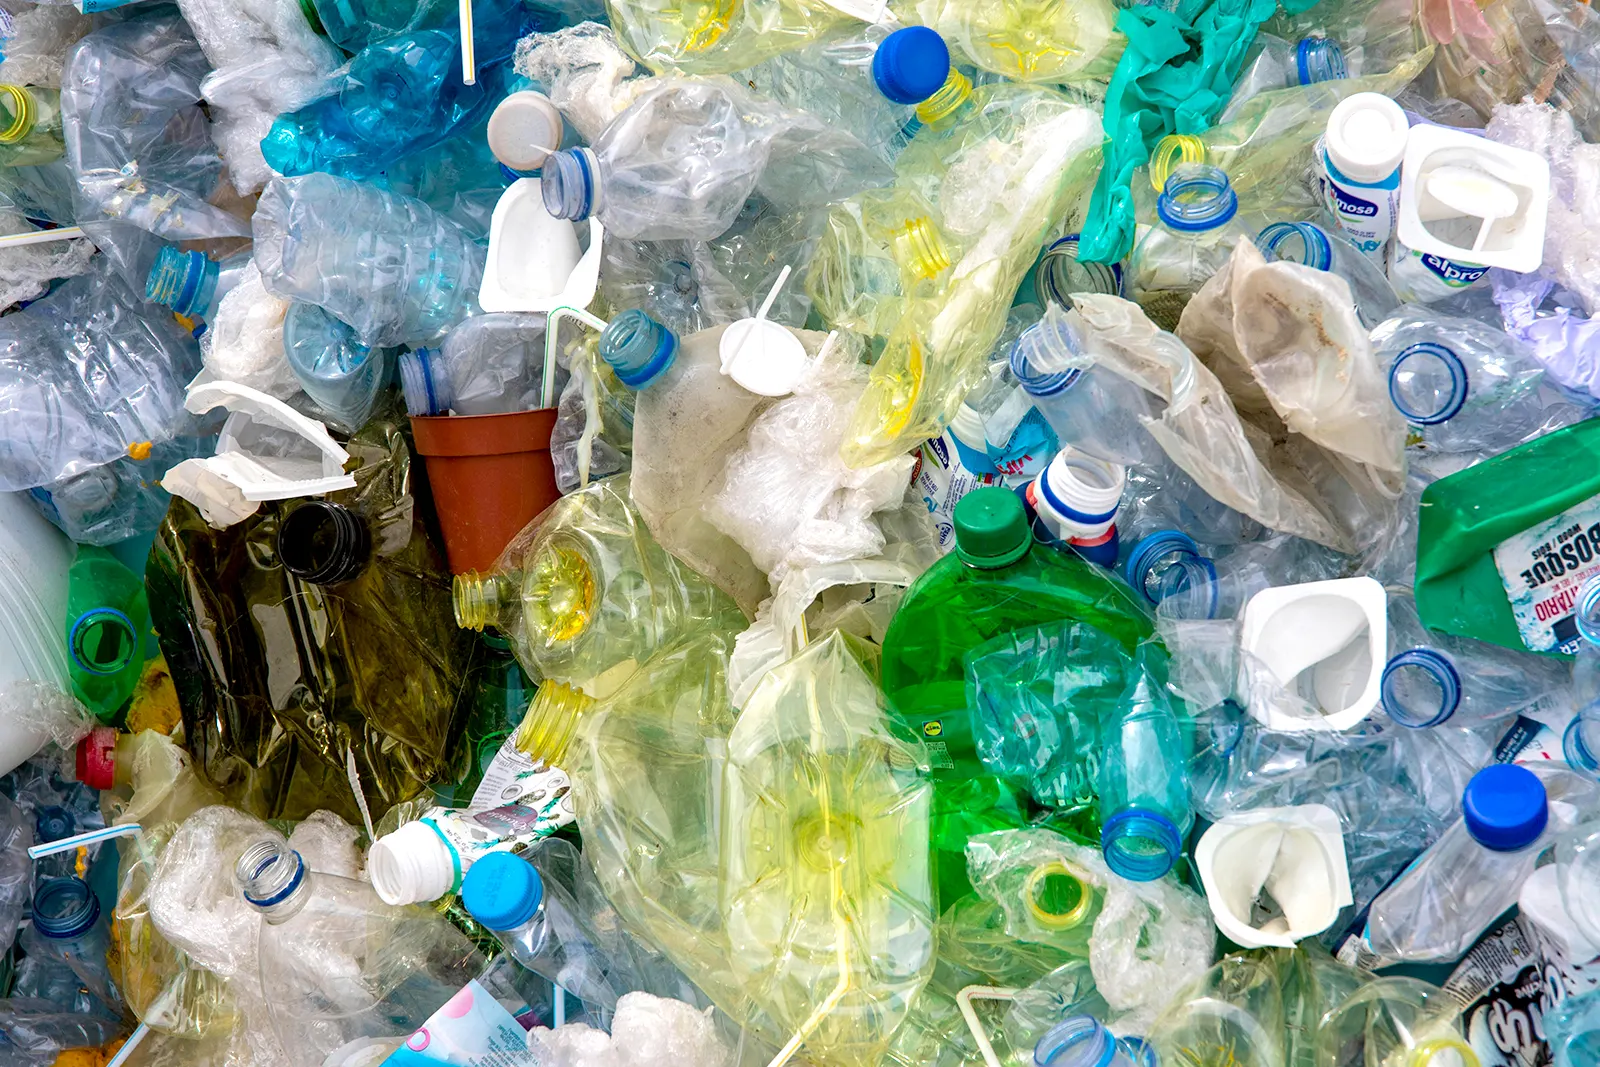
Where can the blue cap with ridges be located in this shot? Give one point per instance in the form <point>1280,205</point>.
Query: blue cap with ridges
<point>911,64</point>
<point>502,891</point>
<point>1505,807</point>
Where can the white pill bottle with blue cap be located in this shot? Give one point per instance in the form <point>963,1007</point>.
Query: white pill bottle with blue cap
<point>1359,159</point>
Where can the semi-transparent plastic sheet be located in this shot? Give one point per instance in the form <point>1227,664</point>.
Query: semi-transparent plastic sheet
<point>712,37</point>
<point>88,373</point>
<point>138,142</point>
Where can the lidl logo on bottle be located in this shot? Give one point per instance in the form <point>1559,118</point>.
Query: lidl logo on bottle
<point>933,728</point>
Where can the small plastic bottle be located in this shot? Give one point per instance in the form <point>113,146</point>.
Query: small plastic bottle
<point>1196,235</point>
<point>538,924</point>
<point>192,283</point>
<point>1060,274</point>
<point>68,925</point>
<point>1360,156</point>
<point>1144,807</point>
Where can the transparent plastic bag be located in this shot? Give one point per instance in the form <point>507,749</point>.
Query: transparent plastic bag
<point>593,435</point>
<point>37,44</point>
<point>26,271</point>
<point>676,283</point>
<point>585,73</point>
<point>245,343</point>
<point>16,868</point>
<point>138,143</point>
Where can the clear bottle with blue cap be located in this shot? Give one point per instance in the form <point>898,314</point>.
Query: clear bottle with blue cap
<point>1278,64</point>
<point>1083,1041</point>
<point>1581,741</point>
<point>1310,245</point>
<point>336,963</point>
<point>1433,677</point>
<point>1464,386</point>
<point>1088,406</point>
<point>867,80</point>
<point>69,926</point>
<point>538,923</point>
<point>1145,814</point>
<point>192,283</point>
<point>487,365</point>
<point>1197,229</point>
<point>1450,894</point>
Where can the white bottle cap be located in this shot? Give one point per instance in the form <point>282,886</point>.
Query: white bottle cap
<point>763,356</point>
<point>1367,136</point>
<point>524,129</point>
<point>411,865</point>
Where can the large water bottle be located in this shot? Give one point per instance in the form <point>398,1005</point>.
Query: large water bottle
<point>1466,386</point>
<point>69,926</point>
<point>1195,235</point>
<point>1454,890</point>
<point>391,267</point>
<point>1434,677</point>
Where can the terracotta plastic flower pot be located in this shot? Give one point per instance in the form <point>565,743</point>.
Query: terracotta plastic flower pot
<point>490,474</point>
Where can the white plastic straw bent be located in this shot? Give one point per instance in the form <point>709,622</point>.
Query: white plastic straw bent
<point>67,844</point>
<point>964,1001</point>
<point>64,233</point>
<point>547,391</point>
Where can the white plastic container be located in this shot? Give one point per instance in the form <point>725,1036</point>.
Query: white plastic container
<point>1324,644</point>
<point>1290,857</point>
<point>34,557</point>
<point>534,261</point>
<point>1360,157</point>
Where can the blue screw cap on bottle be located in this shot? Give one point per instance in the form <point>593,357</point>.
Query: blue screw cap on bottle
<point>911,64</point>
<point>1505,807</point>
<point>502,891</point>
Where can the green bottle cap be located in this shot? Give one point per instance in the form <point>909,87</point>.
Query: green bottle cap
<point>991,528</point>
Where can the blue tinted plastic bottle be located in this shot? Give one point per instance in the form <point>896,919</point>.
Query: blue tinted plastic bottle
<point>1144,786</point>
<point>192,283</point>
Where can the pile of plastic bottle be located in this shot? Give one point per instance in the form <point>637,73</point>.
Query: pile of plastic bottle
<point>829,533</point>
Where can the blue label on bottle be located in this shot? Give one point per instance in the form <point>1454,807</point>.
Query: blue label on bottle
<point>1459,275</point>
<point>1352,205</point>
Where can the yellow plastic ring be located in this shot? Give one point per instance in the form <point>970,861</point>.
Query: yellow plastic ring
<point>1454,1053</point>
<point>1174,150</point>
<point>1050,919</point>
<point>19,102</point>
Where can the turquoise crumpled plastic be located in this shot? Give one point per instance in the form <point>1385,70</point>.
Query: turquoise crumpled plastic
<point>1175,75</point>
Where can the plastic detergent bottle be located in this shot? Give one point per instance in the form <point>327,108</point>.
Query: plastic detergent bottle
<point>997,580</point>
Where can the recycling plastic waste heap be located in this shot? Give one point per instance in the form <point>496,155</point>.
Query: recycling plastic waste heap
<point>846,534</point>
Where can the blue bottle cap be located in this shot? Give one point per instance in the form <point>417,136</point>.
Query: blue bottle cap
<point>502,891</point>
<point>1505,807</point>
<point>1101,554</point>
<point>1151,548</point>
<point>911,64</point>
<point>64,907</point>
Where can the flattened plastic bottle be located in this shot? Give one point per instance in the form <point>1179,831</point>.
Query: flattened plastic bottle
<point>1145,815</point>
<point>825,877</point>
<point>587,595</point>
<point>1403,1022</point>
<point>1195,235</point>
<point>108,619</point>
<point>338,964</point>
<point>997,580</point>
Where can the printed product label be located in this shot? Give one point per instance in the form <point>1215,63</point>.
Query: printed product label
<point>1534,736</point>
<point>472,1030</point>
<point>1502,989</point>
<point>942,481</point>
<point>1365,212</point>
<point>544,809</point>
<point>1542,569</point>
<point>1425,277</point>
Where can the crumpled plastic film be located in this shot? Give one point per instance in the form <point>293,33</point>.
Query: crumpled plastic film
<point>27,270</point>
<point>716,37</point>
<point>593,435</point>
<point>45,711</point>
<point>788,498</point>
<point>266,61</point>
<point>1571,255</point>
<point>244,343</point>
<point>39,38</point>
<point>998,181</point>
<point>1199,429</point>
<point>586,75</point>
<point>16,868</point>
<point>1032,41</point>
<point>1565,343</point>
<point>137,141</point>
<point>647,1031</point>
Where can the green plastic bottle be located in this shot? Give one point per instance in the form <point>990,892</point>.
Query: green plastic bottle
<point>108,617</point>
<point>997,580</point>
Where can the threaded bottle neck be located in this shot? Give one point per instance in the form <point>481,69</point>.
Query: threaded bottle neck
<point>553,718</point>
<point>1319,59</point>
<point>1197,197</point>
<point>638,348</point>
<point>1298,242</point>
<point>324,543</point>
<point>182,281</point>
<point>483,600</point>
<point>273,879</point>
<point>570,184</point>
<point>18,106</point>
<point>921,248</point>
<point>947,99</point>
<point>1061,273</point>
<point>1173,151</point>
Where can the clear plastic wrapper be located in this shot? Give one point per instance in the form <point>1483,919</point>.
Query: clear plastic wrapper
<point>1031,42</point>
<point>677,283</point>
<point>244,342</point>
<point>138,143</point>
<point>16,868</point>
<point>88,374</point>
<point>585,73</point>
<point>37,44</point>
<point>26,271</point>
<point>709,37</point>
<point>593,436</point>
<point>647,1031</point>
<point>487,365</point>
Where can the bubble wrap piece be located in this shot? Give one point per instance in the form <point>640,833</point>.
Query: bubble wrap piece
<point>328,845</point>
<point>647,1031</point>
<point>1571,255</point>
<point>266,61</point>
<point>245,343</point>
<point>583,71</point>
<point>27,270</point>
<point>39,37</point>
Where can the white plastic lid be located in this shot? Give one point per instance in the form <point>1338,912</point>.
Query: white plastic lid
<point>1468,199</point>
<point>763,356</point>
<point>1367,135</point>
<point>1325,640</point>
<point>1293,854</point>
<point>524,129</point>
<point>411,865</point>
